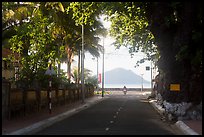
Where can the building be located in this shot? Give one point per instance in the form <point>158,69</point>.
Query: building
<point>9,69</point>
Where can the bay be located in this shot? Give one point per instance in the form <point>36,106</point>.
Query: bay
<point>145,85</point>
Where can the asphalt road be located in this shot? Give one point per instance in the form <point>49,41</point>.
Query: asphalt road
<point>119,114</point>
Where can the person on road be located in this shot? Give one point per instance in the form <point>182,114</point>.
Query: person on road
<point>124,90</point>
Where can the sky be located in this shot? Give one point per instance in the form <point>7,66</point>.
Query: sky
<point>114,58</point>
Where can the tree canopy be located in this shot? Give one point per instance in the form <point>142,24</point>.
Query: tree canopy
<point>44,31</point>
<point>168,32</point>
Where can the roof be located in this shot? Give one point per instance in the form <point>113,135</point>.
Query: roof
<point>6,52</point>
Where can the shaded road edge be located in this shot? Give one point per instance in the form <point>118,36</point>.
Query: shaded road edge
<point>179,124</point>
<point>50,121</point>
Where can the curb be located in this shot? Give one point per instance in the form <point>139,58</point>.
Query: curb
<point>157,107</point>
<point>48,122</point>
<point>186,129</point>
<point>179,124</point>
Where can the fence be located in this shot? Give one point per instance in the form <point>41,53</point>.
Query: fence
<point>22,102</point>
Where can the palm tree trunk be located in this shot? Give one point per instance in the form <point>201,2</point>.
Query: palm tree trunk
<point>70,56</point>
<point>69,69</point>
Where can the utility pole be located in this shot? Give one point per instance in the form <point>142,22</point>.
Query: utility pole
<point>151,76</point>
<point>82,61</point>
<point>142,82</point>
<point>103,70</point>
<point>97,74</point>
<point>50,90</point>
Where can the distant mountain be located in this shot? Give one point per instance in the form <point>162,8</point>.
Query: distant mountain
<point>122,76</point>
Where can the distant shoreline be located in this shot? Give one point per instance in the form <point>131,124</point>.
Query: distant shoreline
<point>129,89</point>
<point>130,86</point>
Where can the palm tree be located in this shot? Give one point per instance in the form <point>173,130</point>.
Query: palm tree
<point>87,74</point>
<point>71,34</point>
<point>61,29</point>
<point>14,14</point>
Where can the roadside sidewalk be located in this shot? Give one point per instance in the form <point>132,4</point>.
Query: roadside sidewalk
<point>188,127</point>
<point>34,122</point>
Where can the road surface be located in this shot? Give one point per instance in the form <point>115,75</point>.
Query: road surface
<point>118,114</point>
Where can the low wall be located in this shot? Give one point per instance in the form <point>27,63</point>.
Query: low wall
<point>129,89</point>
<point>22,102</point>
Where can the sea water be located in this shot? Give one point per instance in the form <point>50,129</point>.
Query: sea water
<point>145,85</point>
